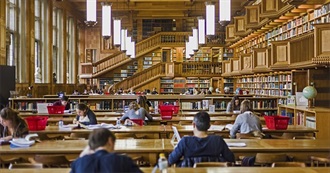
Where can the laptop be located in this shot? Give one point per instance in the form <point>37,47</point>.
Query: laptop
<point>176,136</point>
<point>42,108</point>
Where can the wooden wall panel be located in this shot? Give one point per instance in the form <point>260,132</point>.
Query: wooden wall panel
<point>226,68</point>
<point>279,55</point>
<point>150,85</point>
<point>321,39</point>
<point>236,67</point>
<point>246,63</point>
<point>261,60</point>
<point>321,80</point>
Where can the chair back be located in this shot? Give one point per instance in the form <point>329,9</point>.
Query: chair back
<point>125,135</point>
<point>26,165</point>
<point>320,161</point>
<point>190,162</point>
<point>288,164</point>
<point>266,159</point>
<point>212,164</point>
<point>52,160</point>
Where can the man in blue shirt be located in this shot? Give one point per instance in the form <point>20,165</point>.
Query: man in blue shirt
<point>102,142</point>
<point>201,147</point>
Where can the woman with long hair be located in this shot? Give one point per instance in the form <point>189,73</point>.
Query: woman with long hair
<point>11,125</point>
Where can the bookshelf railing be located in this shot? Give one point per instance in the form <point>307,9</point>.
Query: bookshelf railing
<point>207,69</point>
<point>143,77</point>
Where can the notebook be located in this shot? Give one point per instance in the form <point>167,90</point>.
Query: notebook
<point>42,108</point>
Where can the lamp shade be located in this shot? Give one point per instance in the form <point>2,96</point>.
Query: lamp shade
<point>224,10</point>
<point>91,13</point>
<point>106,20</point>
<point>123,40</point>
<point>210,18</point>
<point>116,31</point>
<point>201,31</point>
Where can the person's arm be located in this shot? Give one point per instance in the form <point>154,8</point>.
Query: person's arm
<point>91,117</point>
<point>147,115</point>
<point>177,153</point>
<point>125,116</point>
<point>229,107</point>
<point>235,127</point>
<point>57,103</point>
<point>227,154</point>
<point>133,167</point>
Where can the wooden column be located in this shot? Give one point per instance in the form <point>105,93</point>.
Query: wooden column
<point>64,47</point>
<point>3,33</point>
<point>29,44</point>
<point>50,45</point>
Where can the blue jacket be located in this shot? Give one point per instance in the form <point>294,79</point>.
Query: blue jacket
<point>104,162</point>
<point>213,147</point>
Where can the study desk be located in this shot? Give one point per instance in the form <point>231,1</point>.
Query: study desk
<point>155,121</point>
<point>161,131</point>
<point>194,170</point>
<point>149,149</point>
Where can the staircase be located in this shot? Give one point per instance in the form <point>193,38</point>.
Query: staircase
<point>143,77</point>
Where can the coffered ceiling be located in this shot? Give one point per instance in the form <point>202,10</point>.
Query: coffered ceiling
<point>149,9</point>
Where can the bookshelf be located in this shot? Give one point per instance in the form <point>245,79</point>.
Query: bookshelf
<point>179,85</point>
<point>166,86</point>
<point>317,118</point>
<point>152,59</point>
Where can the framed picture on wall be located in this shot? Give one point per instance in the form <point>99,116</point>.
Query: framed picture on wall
<point>301,100</point>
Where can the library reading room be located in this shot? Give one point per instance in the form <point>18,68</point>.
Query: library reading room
<point>164,86</point>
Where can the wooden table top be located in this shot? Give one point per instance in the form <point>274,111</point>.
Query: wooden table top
<point>195,170</point>
<point>165,145</point>
<point>168,128</point>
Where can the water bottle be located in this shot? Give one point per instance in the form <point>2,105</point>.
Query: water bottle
<point>118,123</point>
<point>162,163</point>
<point>60,124</point>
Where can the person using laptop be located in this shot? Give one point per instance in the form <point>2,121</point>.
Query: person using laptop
<point>64,101</point>
<point>11,125</point>
<point>200,147</point>
<point>84,116</point>
<point>99,155</point>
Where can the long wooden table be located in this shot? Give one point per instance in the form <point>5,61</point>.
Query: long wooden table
<point>119,114</point>
<point>149,149</point>
<point>156,120</point>
<point>194,170</point>
<point>165,131</point>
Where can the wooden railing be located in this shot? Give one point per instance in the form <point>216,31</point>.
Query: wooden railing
<point>143,77</point>
<point>173,39</point>
<point>207,69</point>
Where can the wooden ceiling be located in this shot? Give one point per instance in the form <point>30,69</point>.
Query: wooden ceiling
<point>165,9</point>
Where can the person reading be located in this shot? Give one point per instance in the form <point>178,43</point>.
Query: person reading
<point>200,147</point>
<point>11,125</point>
<point>234,104</point>
<point>84,116</point>
<point>99,156</point>
<point>246,122</point>
<point>64,101</point>
<point>136,112</point>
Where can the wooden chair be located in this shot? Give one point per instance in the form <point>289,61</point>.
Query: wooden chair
<point>304,137</point>
<point>266,159</point>
<point>184,123</point>
<point>212,164</point>
<point>77,136</point>
<point>320,161</point>
<point>4,162</point>
<point>26,165</point>
<point>51,160</point>
<point>288,164</point>
<point>125,136</point>
<point>247,136</point>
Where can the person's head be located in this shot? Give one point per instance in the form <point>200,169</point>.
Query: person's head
<point>64,100</point>
<point>202,121</point>
<point>102,138</point>
<point>133,105</point>
<point>235,100</point>
<point>82,109</point>
<point>140,100</point>
<point>9,117</point>
<point>246,106</point>
<point>154,89</point>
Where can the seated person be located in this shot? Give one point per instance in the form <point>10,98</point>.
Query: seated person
<point>201,147</point>
<point>99,156</point>
<point>136,112</point>
<point>84,115</point>
<point>64,101</point>
<point>247,121</point>
<point>234,104</point>
<point>12,126</point>
<point>154,91</point>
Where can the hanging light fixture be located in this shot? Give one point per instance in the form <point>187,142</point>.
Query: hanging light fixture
<point>128,46</point>
<point>106,20</point>
<point>116,32</point>
<point>123,40</point>
<point>191,51</point>
<point>195,39</point>
<point>201,30</point>
<point>210,18</point>
<point>132,48</point>
<point>224,12</point>
<point>91,13</point>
